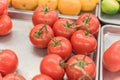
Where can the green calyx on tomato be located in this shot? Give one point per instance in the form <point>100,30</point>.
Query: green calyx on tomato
<point>55,42</point>
<point>87,20</point>
<point>67,25</point>
<point>39,33</point>
<point>45,10</point>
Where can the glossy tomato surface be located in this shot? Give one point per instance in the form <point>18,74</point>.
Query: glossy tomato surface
<point>40,35</point>
<point>13,76</point>
<point>50,65</point>
<point>8,61</point>
<point>42,14</point>
<point>60,46</point>
<point>5,25</point>
<point>89,21</point>
<point>78,66</point>
<point>111,57</point>
<point>42,77</point>
<point>64,27</point>
<point>83,43</point>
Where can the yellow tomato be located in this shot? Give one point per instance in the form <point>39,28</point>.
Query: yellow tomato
<point>69,7</point>
<point>97,1</point>
<point>49,3</point>
<point>9,3</point>
<point>88,5</point>
<point>25,4</point>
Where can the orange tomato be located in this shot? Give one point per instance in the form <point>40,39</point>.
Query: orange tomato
<point>49,3</point>
<point>69,7</point>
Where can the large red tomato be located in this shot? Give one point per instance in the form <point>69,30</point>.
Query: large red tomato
<point>42,77</point>
<point>64,27</point>
<point>80,66</point>
<point>111,57</point>
<point>60,46</point>
<point>42,14</point>
<point>50,65</point>
<point>8,61</point>
<point>40,35</point>
<point>83,42</point>
<point>13,76</point>
<point>5,25</point>
<point>90,22</point>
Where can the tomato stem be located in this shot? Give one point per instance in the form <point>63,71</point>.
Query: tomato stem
<point>45,10</point>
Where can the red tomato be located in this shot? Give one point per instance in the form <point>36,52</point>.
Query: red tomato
<point>111,57</point>
<point>60,46</point>
<point>39,36</point>
<point>42,77</point>
<point>8,61</point>
<point>5,25</point>
<point>3,7</point>
<point>64,27</point>
<point>13,76</point>
<point>78,66</point>
<point>0,76</point>
<point>44,14</point>
<point>83,43</point>
<point>50,65</point>
<point>91,22</point>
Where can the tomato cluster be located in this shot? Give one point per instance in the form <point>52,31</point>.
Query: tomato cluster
<point>5,20</point>
<point>69,44</point>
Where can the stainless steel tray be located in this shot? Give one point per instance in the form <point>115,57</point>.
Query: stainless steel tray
<point>111,19</point>
<point>30,57</point>
<point>28,14</point>
<point>109,34</point>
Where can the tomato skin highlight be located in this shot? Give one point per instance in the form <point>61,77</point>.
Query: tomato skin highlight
<point>41,42</point>
<point>5,25</point>
<point>42,77</point>
<point>39,17</point>
<point>13,76</point>
<point>111,57</point>
<point>82,43</point>
<point>64,49</point>
<point>64,27</point>
<point>90,69</point>
<point>8,61</point>
<point>92,25</point>
<point>50,65</point>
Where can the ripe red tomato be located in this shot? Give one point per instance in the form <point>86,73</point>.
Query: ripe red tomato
<point>79,66</point>
<point>0,76</point>
<point>60,46</point>
<point>83,42</point>
<point>111,57</point>
<point>13,76</point>
<point>40,35</point>
<point>8,61</point>
<point>2,8</point>
<point>91,22</point>
<point>42,14</point>
<point>5,25</point>
<point>50,65</point>
<point>64,27</point>
<point>42,77</point>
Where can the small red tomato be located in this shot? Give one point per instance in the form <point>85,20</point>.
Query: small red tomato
<point>42,14</point>
<point>89,21</point>
<point>42,77</point>
<point>2,8</point>
<point>13,76</point>
<point>80,67</point>
<point>8,61</point>
<point>111,57</point>
<point>60,46</point>
<point>50,65</point>
<point>40,35</point>
<point>83,42</point>
<point>64,27</point>
<point>5,25</point>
